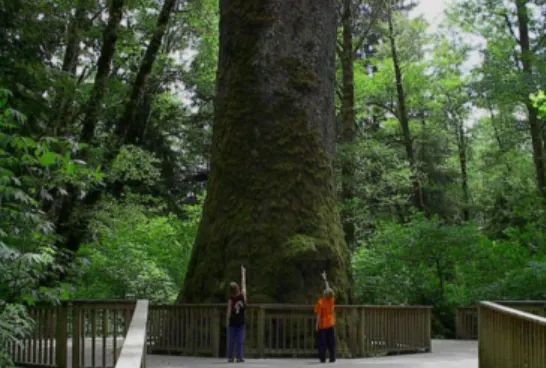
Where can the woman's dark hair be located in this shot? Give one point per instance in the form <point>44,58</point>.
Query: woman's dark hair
<point>234,289</point>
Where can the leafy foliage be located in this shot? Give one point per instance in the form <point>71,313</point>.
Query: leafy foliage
<point>28,168</point>
<point>137,252</point>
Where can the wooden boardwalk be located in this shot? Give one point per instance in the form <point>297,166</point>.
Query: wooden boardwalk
<point>508,337</point>
<point>445,354</point>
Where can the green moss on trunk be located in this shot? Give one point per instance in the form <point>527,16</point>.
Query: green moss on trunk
<point>271,203</point>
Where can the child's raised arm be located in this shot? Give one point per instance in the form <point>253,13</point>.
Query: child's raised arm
<point>327,285</point>
<point>243,281</point>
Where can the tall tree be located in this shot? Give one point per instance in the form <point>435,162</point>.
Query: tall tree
<point>348,125</point>
<point>402,113</point>
<point>270,196</point>
<point>512,69</point>
<point>110,37</point>
<point>357,21</point>
<point>127,129</point>
<point>527,65</point>
<point>450,105</point>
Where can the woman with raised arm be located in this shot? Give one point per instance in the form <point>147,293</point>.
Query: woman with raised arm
<point>236,318</point>
<point>326,320</point>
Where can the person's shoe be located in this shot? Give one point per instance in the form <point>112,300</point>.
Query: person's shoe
<point>240,360</point>
<point>323,360</point>
<point>230,360</point>
<point>332,360</point>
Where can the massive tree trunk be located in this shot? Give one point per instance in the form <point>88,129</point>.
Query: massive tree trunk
<point>270,199</point>
<point>348,128</point>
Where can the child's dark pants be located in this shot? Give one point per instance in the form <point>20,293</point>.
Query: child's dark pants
<point>236,337</point>
<point>327,341</point>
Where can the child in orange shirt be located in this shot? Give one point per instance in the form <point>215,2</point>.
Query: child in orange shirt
<point>326,320</point>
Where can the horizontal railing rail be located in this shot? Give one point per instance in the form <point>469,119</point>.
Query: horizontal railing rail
<point>510,338</point>
<point>466,318</point>
<point>288,330</point>
<point>75,334</point>
<point>133,351</point>
<point>81,333</point>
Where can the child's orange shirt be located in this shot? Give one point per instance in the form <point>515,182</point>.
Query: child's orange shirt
<point>325,308</point>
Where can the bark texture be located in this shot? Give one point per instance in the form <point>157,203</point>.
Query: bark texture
<point>270,198</point>
<point>348,132</point>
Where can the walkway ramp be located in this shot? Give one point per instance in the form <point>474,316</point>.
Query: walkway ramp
<point>445,354</point>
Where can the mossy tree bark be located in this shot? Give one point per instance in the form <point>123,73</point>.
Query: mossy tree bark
<point>348,129</point>
<point>270,199</point>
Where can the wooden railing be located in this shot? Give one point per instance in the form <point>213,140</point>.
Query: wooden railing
<point>91,333</point>
<point>509,338</point>
<point>133,352</point>
<point>288,330</point>
<point>75,334</point>
<point>466,319</point>
<point>466,323</point>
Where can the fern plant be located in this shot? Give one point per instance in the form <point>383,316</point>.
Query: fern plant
<point>30,170</point>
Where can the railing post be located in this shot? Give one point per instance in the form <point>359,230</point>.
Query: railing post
<point>76,335</point>
<point>352,325</point>
<point>481,336</point>
<point>428,328</point>
<point>362,332</point>
<point>145,347</point>
<point>215,333</point>
<point>458,324</point>
<point>61,336</point>
<point>261,332</point>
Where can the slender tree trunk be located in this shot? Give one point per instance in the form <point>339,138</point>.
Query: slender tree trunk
<point>271,201</point>
<point>74,231</point>
<point>108,50</point>
<point>61,102</point>
<point>71,230</point>
<point>534,122</point>
<point>70,64</point>
<point>348,131</point>
<point>403,117</point>
<point>74,37</point>
<point>127,129</point>
<point>461,147</point>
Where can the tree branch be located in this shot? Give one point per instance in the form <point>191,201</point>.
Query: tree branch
<point>339,48</point>
<point>338,93</point>
<point>510,27</point>
<point>384,107</point>
<point>540,43</point>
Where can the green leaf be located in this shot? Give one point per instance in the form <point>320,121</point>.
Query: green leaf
<point>48,159</point>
